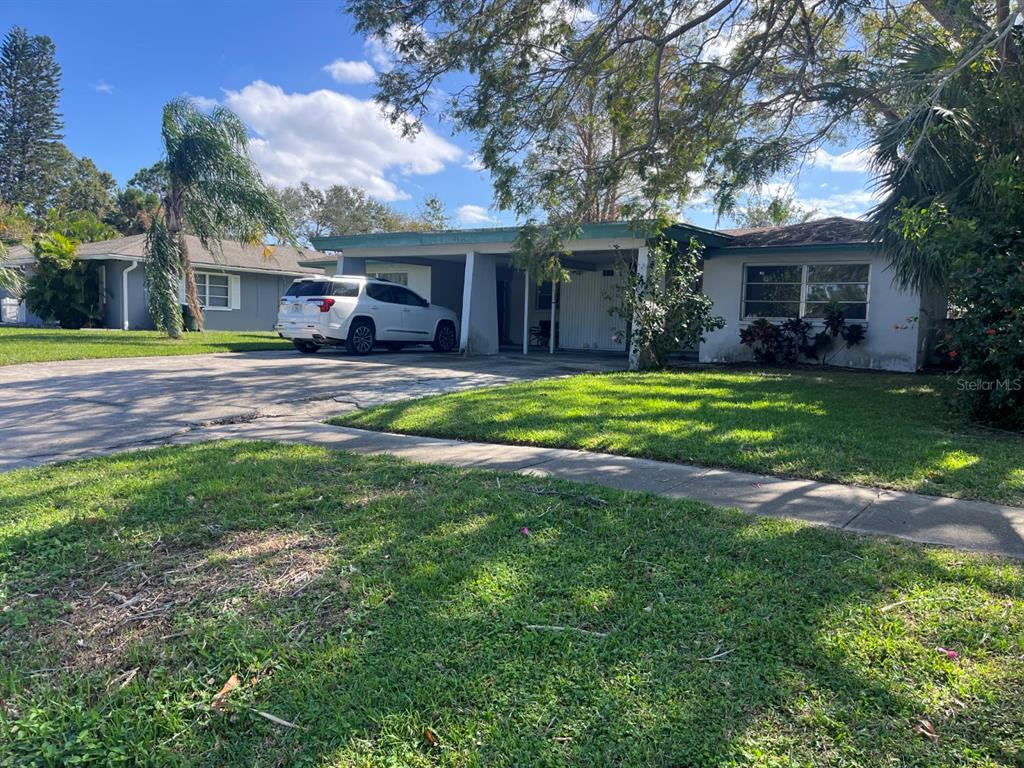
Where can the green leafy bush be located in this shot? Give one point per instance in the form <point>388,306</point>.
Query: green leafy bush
<point>668,312</point>
<point>988,338</point>
<point>63,288</point>
<point>983,262</point>
<point>794,340</point>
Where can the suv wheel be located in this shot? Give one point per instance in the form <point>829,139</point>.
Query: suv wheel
<point>306,347</point>
<point>360,337</point>
<point>444,338</point>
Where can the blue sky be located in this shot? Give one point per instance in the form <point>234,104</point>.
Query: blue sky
<point>272,63</point>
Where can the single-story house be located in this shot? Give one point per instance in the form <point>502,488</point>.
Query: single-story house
<point>240,289</point>
<point>794,271</point>
<point>776,273</point>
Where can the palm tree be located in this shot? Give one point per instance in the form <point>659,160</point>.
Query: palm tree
<point>942,160</point>
<point>214,193</point>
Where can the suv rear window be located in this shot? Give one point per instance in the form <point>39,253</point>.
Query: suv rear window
<point>343,288</point>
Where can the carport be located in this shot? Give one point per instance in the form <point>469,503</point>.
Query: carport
<point>470,271</point>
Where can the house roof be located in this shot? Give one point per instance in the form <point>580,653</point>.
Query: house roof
<point>835,230</point>
<point>490,235</point>
<point>250,258</point>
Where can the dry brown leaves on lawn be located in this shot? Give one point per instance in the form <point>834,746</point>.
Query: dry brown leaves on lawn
<point>114,609</point>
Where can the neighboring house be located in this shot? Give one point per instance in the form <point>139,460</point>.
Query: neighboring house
<point>471,272</point>
<point>239,289</point>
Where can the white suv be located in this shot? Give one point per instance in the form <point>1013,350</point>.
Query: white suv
<point>359,312</point>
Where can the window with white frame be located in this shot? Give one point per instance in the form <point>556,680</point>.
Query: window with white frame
<point>214,290</point>
<point>804,290</point>
<point>402,278</point>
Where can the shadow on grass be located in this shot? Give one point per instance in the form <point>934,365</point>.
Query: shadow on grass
<point>891,430</point>
<point>719,639</point>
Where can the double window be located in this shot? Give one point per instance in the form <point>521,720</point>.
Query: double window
<point>805,290</point>
<point>214,290</point>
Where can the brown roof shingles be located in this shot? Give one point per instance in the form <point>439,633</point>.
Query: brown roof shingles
<point>280,258</point>
<point>833,230</point>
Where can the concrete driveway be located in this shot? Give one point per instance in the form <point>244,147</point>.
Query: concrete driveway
<point>57,411</point>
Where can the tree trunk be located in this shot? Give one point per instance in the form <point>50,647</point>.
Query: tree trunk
<point>1007,50</point>
<point>175,216</point>
<point>958,20</point>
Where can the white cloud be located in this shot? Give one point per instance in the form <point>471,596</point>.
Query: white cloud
<point>851,161</point>
<point>326,138</point>
<point>103,87</point>
<point>559,10</point>
<point>852,204</point>
<point>380,52</point>
<point>203,103</point>
<point>473,163</point>
<point>351,71</point>
<point>470,215</point>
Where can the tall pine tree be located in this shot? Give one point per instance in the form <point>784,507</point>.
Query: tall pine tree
<point>30,125</point>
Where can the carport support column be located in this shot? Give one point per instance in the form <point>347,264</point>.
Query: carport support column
<point>554,309</point>
<point>527,285</point>
<point>642,261</point>
<point>479,305</point>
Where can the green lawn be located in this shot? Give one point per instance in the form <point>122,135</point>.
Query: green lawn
<point>894,431</point>
<point>40,345</point>
<point>389,612</point>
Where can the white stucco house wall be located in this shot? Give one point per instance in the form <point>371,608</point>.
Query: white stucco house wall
<point>793,271</point>
<point>471,272</point>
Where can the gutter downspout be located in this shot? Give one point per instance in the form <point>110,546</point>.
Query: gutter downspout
<point>124,294</point>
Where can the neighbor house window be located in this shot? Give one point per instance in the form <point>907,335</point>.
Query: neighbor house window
<point>795,290</point>
<point>402,278</point>
<point>214,290</point>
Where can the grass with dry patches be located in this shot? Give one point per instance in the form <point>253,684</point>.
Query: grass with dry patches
<point>256,604</point>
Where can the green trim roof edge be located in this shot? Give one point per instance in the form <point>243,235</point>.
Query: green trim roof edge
<point>498,235</point>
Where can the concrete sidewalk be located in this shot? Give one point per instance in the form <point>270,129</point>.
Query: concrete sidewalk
<point>962,524</point>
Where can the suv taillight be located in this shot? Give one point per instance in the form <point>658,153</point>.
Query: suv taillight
<point>325,304</point>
